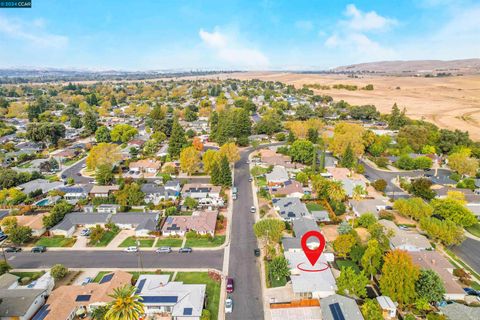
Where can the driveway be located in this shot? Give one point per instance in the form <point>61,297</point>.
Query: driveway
<point>121,236</point>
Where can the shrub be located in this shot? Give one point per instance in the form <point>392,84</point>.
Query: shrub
<point>381,162</point>
<point>380,185</point>
<point>384,214</point>
<point>338,207</point>
<point>366,220</point>
<point>58,271</point>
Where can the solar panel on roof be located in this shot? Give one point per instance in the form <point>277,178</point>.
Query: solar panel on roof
<point>42,313</point>
<point>336,311</point>
<point>83,297</point>
<point>106,278</point>
<point>187,311</point>
<point>140,286</point>
<point>159,299</point>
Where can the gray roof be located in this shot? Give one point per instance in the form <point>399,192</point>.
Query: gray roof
<point>290,208</point>
<point>350,184</point>
<point>16,302</point>
<point>80,218</point>
<point>148,188</point>
<point>367,205</point>
<point>42,184</point>
<point>278,173</point>
<point>321,215</point>
<point>347,306</point>
<point>303,225</point>
<point>7,279</point>
<point>291,243</point>
<point>457,311</point>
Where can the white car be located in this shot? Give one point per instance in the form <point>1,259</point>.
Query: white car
<point>131,249</point>
<point>164,250</point>
<point>253,210</point>
<point>228,305</point>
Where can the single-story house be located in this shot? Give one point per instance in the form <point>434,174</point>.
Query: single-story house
<point>155,193</point>
<point>300,227</point>
<point>39,184</point>
<point>161,296</point>
<point>336,307</point>
<point>69,302</point>
<point>290,188</point>
<point>406,240</point>
<point>435,261</point>
<point>270,157</point>
<point>108,208</point>
<point>205,194</point>
<point>202,222</point>
<point>35,222</point>
<point>103,191</point>
<point>374,206</point>
<point>457,311</point>
<point>74,193</point>
<point>310,285</point>
<point>147,167</point>
<point>350,184</point>
<point>290,209</point>
<point>277,177</point>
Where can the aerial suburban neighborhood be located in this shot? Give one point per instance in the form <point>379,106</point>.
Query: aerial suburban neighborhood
<point>199,186</point>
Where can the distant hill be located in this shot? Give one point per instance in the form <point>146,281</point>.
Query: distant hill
<point>420,67</point>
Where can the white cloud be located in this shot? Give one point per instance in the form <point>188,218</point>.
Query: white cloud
<point>304,25</point>
<point>32,32</point>
<point>366,21</point>
<point>228,48</point>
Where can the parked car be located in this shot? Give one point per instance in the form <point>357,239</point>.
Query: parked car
<point>3,237</point>
<point>253,210</point>
<point>85,232</point>
<point>228,305</point>
<point>87,280</point>
<point>471,291</point>
<point>12,249</point>
<point>39,249</point>
<point>250,179</point>
<point>256,251</point>
<point>229,285</point>
<point>185,250</point>
<point>131,249</point>
<point>79,174</point>
<point>234,196</point>
<point>164,250</point>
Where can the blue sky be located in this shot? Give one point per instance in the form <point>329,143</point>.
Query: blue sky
<point>250,35</point>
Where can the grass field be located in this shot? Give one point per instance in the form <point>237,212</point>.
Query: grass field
<point>347,263</point>
<point>55,241</point>
<point>31,275</point>
<point>106,238</point>
<point>169,242</point>
<point>132,241</point>
<point>205,242</point>
<point>135,274</point>
<point>475,229</point>
<point>314,207</point>
<point>213,288</point>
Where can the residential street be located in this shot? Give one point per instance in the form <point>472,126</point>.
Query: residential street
<point>469,251</point>
<point>115,259</point>
<point>243,266</point>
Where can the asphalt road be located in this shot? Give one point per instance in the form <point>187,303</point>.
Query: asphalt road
<point>469,251</point>
<point>244,267</point>
<point>117,259</point>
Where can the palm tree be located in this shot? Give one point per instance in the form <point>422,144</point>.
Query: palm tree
<point>358,192</point>
<point>126,305</point>
<point>336,191</point>
<point>99,313</point>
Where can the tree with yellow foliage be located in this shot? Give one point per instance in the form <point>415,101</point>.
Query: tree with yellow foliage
<point>300,128</point>
<point>230,150</point>
<point>346,134</point>
<point>103,153</point>
<point>189,160</point>
<point>210,158</point>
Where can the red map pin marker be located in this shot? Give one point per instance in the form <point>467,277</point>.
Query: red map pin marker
<point>313,255</point>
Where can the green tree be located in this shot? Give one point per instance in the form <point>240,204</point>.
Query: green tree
<point>130,195</point>
<point>99,312</point>
<point>335,191</point>
<point>270,230</point>
<point>397,119</point>
<point>225,172</point>
<point>351,283</point>
<point>343,244</point>
<point>216,174</point>
<point>371,310</point>
<point>415,208</point>
<point>45,132</point>
<point>366,219</point>
<point>190,160</point>
<point>20,234</point>
<point>453,210</point>
<point>57,214</point>
<point>430,286</point>
<point>90,119</point>
<point>344,228</point>
<point>104,174</point>
<point>421,188</point>
<point>58,271</point>
<point>102,134</point>
<point>190,203</point>
<point>446,231</point>
<point>177,139</point>
<point>372,258</point>
<point>278,267</point>
<point>126,305</point>
<point>380,185</point>
<point>301,151</point>
<point>348,159</point>
<point>399,276</point>
<point>123,133</point>
<point>312,135</point>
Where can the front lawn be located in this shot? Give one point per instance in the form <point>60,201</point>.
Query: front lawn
<point>261,181</point>
<point>55,241</point>
<point>204,242</point>
<point>135,274</point>
<point>27,277</point>
<point>106,238</point>
<point>213,288</point>
<point>143,242</point>
<point>312,206</point>
<point>475,229</point>
<point>169,242</point>
<point>346,264</point>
